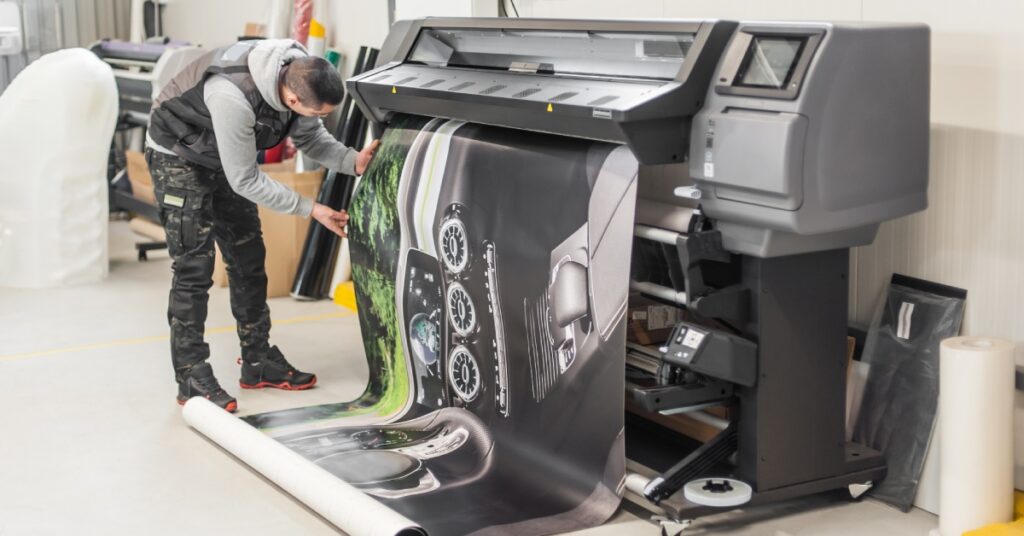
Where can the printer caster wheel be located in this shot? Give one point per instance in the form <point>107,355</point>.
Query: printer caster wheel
<point>672,527</point>
<point>857,491</point>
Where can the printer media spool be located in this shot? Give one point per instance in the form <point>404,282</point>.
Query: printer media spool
<point>718,492</point>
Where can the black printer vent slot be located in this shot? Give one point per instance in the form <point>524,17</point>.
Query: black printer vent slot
<point>433,83</point>
<point>405,80</point>
<point>463,85</point>
<point>526,92</point>
<point>603,100</point>
<point>563,96</point>
<point>380,77</point>
<point>493,89</point>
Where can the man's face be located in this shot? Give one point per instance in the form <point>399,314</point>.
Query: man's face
<point>291,100</point>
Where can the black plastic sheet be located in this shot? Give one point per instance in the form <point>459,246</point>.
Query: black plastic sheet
<point>901,395</point>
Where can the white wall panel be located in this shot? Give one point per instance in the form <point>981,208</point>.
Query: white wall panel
<point>764,10</point>
<point>355,23</point>
<point>212,23</point>
<point>976,50</point>
<point>590,9</point>
<point>688,9</point>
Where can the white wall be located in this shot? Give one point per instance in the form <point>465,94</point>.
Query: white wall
<point>414,9</point>
<point>350,23</point>
<point>212,23</point>
<point>686,9</point>
<point>355,23</point>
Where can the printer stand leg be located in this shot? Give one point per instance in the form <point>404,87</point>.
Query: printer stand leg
<point>697,464</point>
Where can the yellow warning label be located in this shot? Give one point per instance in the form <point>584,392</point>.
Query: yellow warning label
<point>393,89</point>
<point>550,109</point>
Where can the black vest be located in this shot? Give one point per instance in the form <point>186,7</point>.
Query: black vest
<point>181,122</point>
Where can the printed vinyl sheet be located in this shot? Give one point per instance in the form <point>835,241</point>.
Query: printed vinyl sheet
<point>491,269</point>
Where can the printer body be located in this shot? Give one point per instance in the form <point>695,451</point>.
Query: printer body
<point>777,148</point>
<point>141,70</point>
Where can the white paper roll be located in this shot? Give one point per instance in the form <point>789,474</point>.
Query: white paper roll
<point>636,483</point>
<point>340,503</point>
<point>976,383</point>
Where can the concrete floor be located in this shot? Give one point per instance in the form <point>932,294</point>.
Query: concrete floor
<point>91,441</point>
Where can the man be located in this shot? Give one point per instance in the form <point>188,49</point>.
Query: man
<point>205,129</point>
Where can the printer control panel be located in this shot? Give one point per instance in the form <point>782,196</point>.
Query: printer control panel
<point>686,342</point>
<point>713,353</point>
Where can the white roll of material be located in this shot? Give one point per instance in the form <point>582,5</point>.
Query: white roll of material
<point>343,505</point>
<point>636,483</point>
<point>976,386</point>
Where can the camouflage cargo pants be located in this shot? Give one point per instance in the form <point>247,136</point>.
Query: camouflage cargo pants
<point>197,207</point>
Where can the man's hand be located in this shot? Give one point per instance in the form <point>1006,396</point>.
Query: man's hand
<point>364,156</point>
<point>330,218</point>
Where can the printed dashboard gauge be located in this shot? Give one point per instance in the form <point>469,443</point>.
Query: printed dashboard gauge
<point>454,246</point>
<point>464,374</point>
<point>461,313</point>
<point>426,338</point>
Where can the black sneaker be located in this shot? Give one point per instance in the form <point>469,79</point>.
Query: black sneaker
<point>199,381</point>
<point>272,370</point>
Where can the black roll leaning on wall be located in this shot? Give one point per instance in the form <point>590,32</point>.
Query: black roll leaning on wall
<point>319,251</point>
<point>354,136</point>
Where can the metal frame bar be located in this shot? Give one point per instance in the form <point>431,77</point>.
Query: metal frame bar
<point>659,291</point>
<point>656,234</point>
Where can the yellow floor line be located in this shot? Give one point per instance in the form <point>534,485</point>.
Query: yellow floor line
<point>157,338</point>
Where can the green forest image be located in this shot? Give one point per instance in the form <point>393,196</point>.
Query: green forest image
<point>375,249</point>
<point>374,243</point>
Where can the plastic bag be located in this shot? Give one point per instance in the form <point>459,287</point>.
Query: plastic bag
<point>902,392</point>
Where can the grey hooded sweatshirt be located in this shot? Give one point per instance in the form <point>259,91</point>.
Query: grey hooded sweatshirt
<point>233,122</point>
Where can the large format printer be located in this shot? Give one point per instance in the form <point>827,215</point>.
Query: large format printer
<point>793,142</point>
<point>142,69</point>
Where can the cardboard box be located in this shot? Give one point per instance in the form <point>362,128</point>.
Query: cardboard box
<point>138,176</point>
<point>650,321</point>
<point>254,29</point>
<point>283,234</point>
